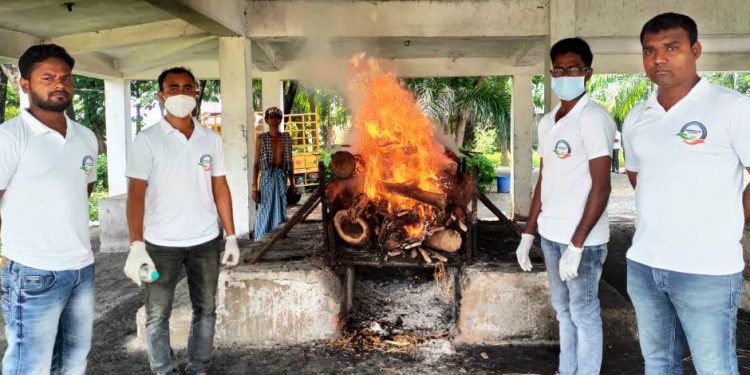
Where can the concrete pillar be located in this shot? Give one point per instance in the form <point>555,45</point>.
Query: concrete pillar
<point>521,138</point>
<point>119,132</point>
<point>562,24</point>
<point>272,95</point>
<point>237,124</point>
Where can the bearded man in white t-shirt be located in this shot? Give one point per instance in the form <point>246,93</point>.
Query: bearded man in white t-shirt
<point>686,147</point>
<point>569,202</point>
<point>47,172</point>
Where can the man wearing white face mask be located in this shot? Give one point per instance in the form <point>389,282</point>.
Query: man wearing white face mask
<point>177,192</point>
<point>569,203</point>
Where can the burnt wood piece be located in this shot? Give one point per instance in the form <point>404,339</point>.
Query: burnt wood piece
<point>309,205</point>
<point>354,232</point>
<point>514,228</point>
<point>448,240</point>
<point>412,191</point>
<point>343,164</point>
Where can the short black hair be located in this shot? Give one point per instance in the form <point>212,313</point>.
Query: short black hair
<point>175,70</point>
<point>668,21</point>
<point>40,52</point>
<point>572,45</point>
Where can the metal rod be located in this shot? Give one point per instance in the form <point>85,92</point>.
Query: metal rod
<point>349,289</point>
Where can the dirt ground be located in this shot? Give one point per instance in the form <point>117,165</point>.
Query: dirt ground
<point>118,300</point>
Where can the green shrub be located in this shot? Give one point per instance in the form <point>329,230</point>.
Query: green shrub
<point>94,199</point>
<point>101,187</point>
<point>486,170</point>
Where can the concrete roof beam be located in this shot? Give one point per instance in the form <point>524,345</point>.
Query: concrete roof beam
<point>144,58</point>
<point>297,18</point>
<point>218,17</point>
<point>127,36</point>
<point>13,44</point>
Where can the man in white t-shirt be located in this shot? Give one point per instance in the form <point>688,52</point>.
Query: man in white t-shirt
<point>47,171</point>
<point>616,145</point>
<point>178,192</point>
<point>569,202</point>
<point>685,150</point>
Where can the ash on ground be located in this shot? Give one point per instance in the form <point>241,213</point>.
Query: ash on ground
<point>402,300</point>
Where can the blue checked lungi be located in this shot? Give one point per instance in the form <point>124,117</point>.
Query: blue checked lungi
<point>272,207</point>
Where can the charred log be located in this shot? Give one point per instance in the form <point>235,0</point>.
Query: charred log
<point>448,240</point>
<point>343,164</point>
<point>354,232</point>
<point>438,200</point>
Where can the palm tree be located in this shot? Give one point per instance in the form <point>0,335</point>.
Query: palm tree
<point>329,106</point>
<point>618,93</point>
<point>736,81</point>
<point>458,104</point>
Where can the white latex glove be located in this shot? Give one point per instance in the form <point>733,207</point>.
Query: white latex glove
<point>569,262</point>
<point>136,259</point>
<point>522,252</point>
<point>231,255</point>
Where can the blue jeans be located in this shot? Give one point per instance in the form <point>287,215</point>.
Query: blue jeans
<point>49,318</point>
<point>201,264</point>
<point>675,308</point>
<point>576,303</point>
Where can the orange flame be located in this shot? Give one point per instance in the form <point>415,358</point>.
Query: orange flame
<point>396,140</point>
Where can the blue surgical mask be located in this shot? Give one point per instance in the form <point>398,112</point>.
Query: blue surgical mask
<point>568,88</point>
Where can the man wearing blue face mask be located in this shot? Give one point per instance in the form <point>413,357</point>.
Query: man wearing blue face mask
<point>568,206</point>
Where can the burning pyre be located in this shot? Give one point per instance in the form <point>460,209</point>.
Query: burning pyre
<point>398,192</point>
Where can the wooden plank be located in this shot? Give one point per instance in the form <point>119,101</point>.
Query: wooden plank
<point>310,204</point>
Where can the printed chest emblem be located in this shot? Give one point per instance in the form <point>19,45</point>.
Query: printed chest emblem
<point>205,162</point>
<point>693,133</point>
<point>562,149</point>
<point>87,164</point>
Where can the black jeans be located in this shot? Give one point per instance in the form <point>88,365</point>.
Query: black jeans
<point>616,160</point>
<point>201,264</point>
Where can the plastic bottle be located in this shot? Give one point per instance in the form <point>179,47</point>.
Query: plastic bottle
<point>148,274</point>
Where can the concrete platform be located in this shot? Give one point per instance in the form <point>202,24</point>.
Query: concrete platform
<point>113,225</point>
<point>501,304</point>
<point>267,304</point>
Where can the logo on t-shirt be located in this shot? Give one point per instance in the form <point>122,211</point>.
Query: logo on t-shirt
<point>87,164</point>
<point>562,149</point>
<point>693,133</point>
<point>205,162</point>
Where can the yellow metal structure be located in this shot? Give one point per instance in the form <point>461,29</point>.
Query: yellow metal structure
<point>305,133</point>
<point>211,120</point>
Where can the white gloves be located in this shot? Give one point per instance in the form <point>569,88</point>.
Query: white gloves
<point>231,255</point>
<point>522,252</point>
<point>137,257</point>
<point>569,262</point>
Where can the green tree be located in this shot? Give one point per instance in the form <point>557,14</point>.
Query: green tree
<point>458,104</point>
<point>737,81</point>
<point>88,103</point>
<point>330,107</point>
<point>143,96</point>
<point>618,93</point>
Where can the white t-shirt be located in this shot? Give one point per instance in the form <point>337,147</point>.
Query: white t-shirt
<point>618,141</point>
<point>689,192</point>
<point>45,208</point>
<point>180,208</point>
<point>566,147</point>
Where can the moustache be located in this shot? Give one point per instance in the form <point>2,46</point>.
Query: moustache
<point>60,92</point>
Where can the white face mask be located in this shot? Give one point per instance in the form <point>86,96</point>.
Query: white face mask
<point>180,105</point>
